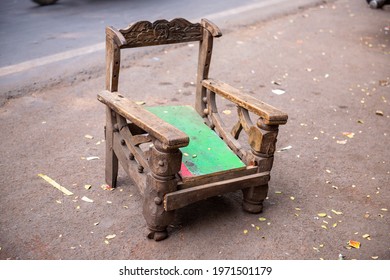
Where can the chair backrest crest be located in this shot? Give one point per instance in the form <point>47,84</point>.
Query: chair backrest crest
<point>160,32</point>
<point>145,33</point>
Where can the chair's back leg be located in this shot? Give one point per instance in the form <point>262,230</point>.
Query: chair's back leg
<point>112,78</point>
<point>111,158</point>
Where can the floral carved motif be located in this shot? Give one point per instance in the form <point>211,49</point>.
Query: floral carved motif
<point>145,33</point>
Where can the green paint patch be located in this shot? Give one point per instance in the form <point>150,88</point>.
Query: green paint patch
<point>207,152</point>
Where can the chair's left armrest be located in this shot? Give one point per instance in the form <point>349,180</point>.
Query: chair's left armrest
<point>167,134</point>
<point>269,114</point>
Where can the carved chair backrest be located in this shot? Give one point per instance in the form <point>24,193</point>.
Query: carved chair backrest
<point>160,32</point>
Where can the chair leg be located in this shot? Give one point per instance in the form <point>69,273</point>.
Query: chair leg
<point>163,164</point>
<point>111,167</point>
<point>154,213</point>
<point>111,171</point>
<point>253,198</point>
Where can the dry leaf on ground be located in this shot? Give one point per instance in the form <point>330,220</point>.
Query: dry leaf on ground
<point>354,244</point>
<point>337,212</point>
<point>110,236</point>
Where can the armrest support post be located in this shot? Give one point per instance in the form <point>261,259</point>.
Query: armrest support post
<point>262,134</point>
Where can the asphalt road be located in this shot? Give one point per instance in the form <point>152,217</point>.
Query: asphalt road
<point>73,24</point>
<point>33,31</point>
<point>46,36</point>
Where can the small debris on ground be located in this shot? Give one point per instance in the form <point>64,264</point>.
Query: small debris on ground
<point>379,112</point>
<point>92,158</point>
<point>278,91</point>
<point>227,112</point>
<point>106,187</point>
<point>86,199</point>
<point>285,149</point>
<point>110,236</point>
<point>55,184</point>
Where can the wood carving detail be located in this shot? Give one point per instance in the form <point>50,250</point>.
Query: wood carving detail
<point>145,33</point>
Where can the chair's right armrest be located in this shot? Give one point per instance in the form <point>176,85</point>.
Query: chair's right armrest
<point>167,134</point>
<point>270,114</point>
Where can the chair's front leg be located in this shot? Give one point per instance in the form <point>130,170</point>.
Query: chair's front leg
<point>262,139</point>
<point>164,164</point>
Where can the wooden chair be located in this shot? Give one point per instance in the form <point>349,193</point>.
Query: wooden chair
<point>192,157</point>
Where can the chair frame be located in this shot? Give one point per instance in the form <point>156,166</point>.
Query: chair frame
<point>156,170</point>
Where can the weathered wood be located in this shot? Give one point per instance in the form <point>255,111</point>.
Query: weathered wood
<point>256,139</point>
<point>164,164</point>
<point>263,148</point>
<point>111,160</point>
<point>226,136</point>
<point>211,27</point>
<point>130,166</point>
<point>131,141</point>
<point>135,151</point>
<point>156,217</point>
<point>135,130</point>
<point>189,182</point>
<point>254,197</point>
<point>245,119</point>
<point>218,125</point>
<point>113,57</point>
<point>204,60</point>
<point>145,33</point>
<point>140,139</point>
<point>185,197</point>
<point>169,135</point>
<point>270,114</point>
<point>265,164</point>
<point>236,130</point>
<point>113,34</point>
<point>158,170</point>
<point>244,122</point>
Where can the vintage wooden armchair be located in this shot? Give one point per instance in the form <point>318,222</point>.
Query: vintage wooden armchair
<point>192,157</point>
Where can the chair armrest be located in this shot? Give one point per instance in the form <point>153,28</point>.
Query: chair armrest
<point>167,134</point>
<point>270,114</point>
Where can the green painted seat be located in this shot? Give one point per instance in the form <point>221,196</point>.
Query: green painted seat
<point>206,153</point>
